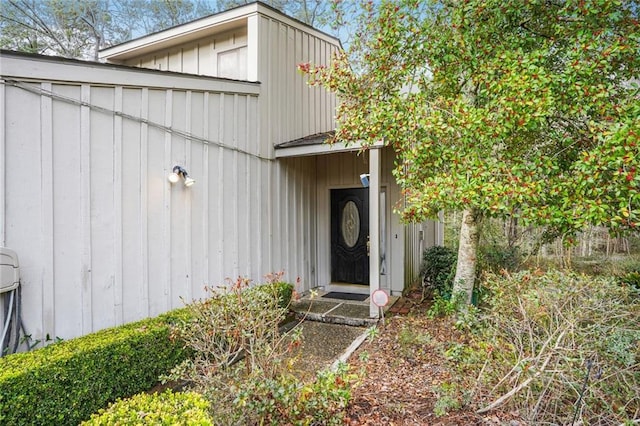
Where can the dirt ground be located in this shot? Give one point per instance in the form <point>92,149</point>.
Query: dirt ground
<point>403,371</point>
<point>404,376</point>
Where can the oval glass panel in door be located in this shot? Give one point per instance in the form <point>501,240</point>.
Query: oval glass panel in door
<point>350,223</point>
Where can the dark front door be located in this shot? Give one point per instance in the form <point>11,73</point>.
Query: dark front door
<point>349,235</point>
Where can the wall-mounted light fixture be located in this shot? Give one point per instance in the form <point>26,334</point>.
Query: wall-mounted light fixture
<point>364,178</point>
<point>179,172</point>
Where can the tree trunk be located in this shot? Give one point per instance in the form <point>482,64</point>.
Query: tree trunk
<point>467,254</point>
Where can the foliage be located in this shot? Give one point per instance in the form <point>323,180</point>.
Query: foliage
<point>545,333</point>
<point>438,269</point>
<point>78,29</point>
<point>242,362</point>
<point>505,109</point>
<point>240,322</point>
<point>64,383</point>
<point>313,12</point>
<point>167,408</point>
<point>286,400</point>
<point>448,399</point>
<point>495,258</point>
<point>442,306</point>
<point>632,279</point>
<point>284,291</point>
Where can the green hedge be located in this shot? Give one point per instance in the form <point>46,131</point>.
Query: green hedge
<point>66,382</point>
<point>167,408</point>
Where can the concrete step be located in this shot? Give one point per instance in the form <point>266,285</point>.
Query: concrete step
<point>335,311</point>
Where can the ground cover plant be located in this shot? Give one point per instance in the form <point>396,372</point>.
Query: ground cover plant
<point>565,347</point>
<point>541,348</point>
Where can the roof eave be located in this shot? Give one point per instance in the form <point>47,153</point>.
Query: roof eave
<point>224,21</point>
<point>191,31</point>
<point>323,149</point>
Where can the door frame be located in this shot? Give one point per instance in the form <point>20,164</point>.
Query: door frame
<point>384,217</point>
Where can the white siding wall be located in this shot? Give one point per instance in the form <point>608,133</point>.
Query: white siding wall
<point>419,236</point>
<point>292,109</point>
<point>102,236</point>
<point>220,55</point>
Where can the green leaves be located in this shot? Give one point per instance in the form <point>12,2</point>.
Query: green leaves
<point>512,109</point>
<point>64,383</point>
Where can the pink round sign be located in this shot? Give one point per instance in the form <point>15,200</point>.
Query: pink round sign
<point>380,298</point>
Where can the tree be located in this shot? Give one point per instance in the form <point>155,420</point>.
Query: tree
<point>79,29</point>
<point>311,12</point>
<point>59,27</point>
<point>527,109</point>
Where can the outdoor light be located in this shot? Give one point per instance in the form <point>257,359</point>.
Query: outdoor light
<point>179,172</point>
<point>173,177</point>
<point>364,178</point>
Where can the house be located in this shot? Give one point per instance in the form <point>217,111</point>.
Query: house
<point>104,237</point>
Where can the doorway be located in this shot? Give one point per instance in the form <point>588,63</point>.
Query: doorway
<point>350,236</point>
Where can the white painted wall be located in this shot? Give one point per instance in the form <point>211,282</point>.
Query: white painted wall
<point>293,109</point>
<point>217,55</point>
<point>103,237</point>
<point>254,43</point>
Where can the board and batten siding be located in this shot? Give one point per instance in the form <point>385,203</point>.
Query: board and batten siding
<point>219,55</point>
<point>292,109</point>
<point>102,237</point>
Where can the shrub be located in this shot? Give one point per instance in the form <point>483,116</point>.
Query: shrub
<point>631,279</point>
<point>286,400</point>
<point>64,383</point>
<point>167,408</point>
<point>240,362</point>
<point>549,335</point>
<point>438,269</point>
<point>495,258</point>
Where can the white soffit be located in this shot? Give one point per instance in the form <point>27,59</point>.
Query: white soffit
<point>321,149</point>
<point>181,34</point>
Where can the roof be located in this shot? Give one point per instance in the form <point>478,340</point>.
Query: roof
<point>316,139</point>
<point>212,24</point>
<point>147,76</point>
<point>317,145</point>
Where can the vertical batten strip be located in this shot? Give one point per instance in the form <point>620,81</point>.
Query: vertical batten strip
<point>3,166</point>
<point>187,228</point>
<point>221,183</point>
<point>117,207</point>
<point>144,200</point>
<point>205,188</point>
<point>85,207</point>
<point>166,214</point>
<point>293,219</point>
<point>285,207</point>
<point>236,204</point>
<point>48,244</point>
<point>247,191</point>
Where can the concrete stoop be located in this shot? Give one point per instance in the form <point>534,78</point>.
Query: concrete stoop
<point>335,311</point>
